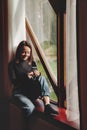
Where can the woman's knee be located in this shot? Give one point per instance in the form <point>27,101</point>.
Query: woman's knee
<point>24,103</point>
<point>42,79</point>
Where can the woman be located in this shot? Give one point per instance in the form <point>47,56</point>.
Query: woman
<point>28,82</point>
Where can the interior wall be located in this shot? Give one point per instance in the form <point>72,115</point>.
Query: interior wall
<point>3,65</point>
<point>82,60</point>
<point>3,48</point>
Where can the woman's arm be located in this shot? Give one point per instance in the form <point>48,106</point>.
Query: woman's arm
<point>11,72</point>
<point>16,80</point>
<point>34,72</point>
<point>35,69</point>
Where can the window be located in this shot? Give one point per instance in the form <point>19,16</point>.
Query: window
<point>58,36</point>
<point>44,24</point>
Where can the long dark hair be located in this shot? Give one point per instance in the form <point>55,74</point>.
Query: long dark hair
<point>20,49</point>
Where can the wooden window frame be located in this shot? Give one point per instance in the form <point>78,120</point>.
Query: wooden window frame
<point>60,10</point>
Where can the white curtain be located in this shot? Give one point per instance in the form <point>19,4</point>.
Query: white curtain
<point>71,62</point>
<point>16,23</point>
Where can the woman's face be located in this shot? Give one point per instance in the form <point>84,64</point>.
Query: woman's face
<point>25,53</point>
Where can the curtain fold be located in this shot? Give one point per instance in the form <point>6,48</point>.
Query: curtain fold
<point>16,28</point>
<point>16,23</point>
<point>71,62</point>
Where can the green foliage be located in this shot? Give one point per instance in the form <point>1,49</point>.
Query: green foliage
<point>54,67</point>
<point>41,69</point>
<point>47,44</point>
<point>53,96</point>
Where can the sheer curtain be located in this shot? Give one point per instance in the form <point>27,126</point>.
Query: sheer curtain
<point>16,28</point>
<point>71,62</point>
<point>16,23</point>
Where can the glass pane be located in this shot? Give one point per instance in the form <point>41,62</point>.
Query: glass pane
<point>44,23</point>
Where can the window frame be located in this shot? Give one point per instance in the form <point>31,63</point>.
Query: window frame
<point>60,9</point>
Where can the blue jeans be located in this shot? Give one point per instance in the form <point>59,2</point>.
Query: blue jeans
<point>25,102</point>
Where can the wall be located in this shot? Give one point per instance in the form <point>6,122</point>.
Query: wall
<point>82,60</point>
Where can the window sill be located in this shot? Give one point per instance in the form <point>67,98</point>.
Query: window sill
<point>60,119</point>
<point>63,118</point>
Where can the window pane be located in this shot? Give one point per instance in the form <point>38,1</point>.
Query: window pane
<point>43,21</point>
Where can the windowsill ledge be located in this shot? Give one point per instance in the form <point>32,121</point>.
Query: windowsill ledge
<point>61,118</point>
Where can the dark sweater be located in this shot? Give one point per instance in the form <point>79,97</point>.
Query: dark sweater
<point>18,76</point>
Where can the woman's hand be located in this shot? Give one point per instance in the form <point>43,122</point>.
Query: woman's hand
<point>34,73</point>
<point>37,73</point>
<point>30,74</point>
